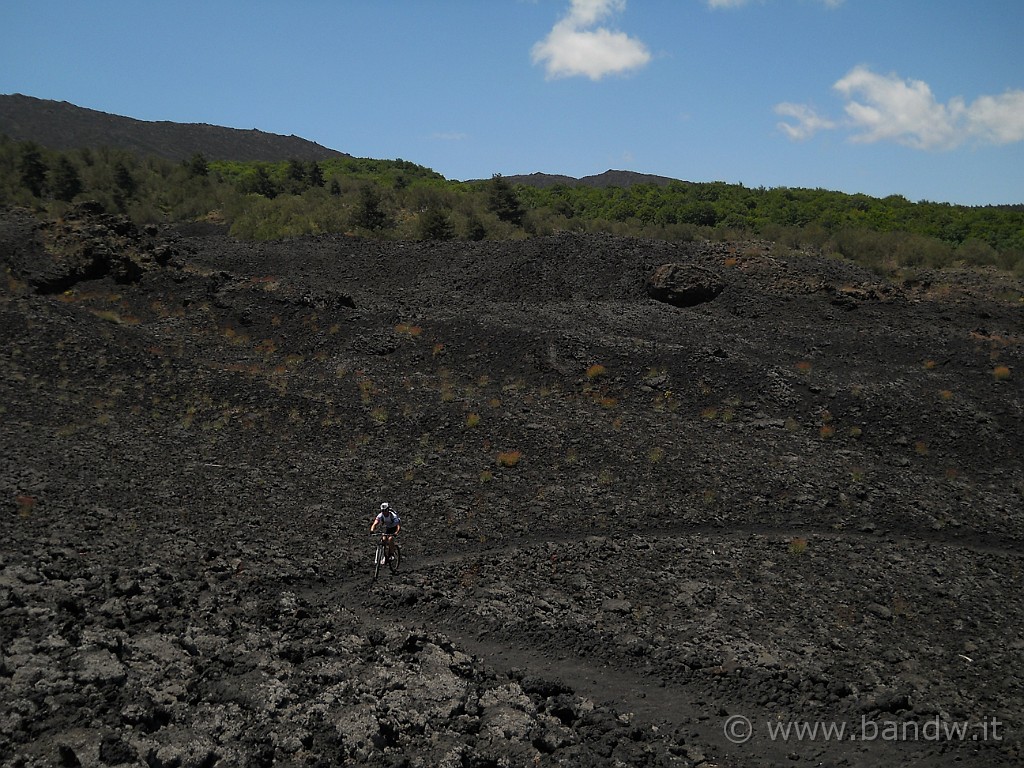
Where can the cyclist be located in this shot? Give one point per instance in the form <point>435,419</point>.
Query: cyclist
<point>392,523</point>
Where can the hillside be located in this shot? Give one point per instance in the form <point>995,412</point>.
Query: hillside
<point>60,125</point>
<point>648,490</point>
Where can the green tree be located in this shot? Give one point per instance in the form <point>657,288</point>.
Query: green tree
<point>436,224</point>
<point>262,184</point>
<point>64,180</point>
<point>503,202</point>
<point>296,171</point>
<point>370,213</point>
<point>475,229</point>
<point>198,166</point>
<point>32,169</point>
<point>125,185</point>
<point>315,174</point>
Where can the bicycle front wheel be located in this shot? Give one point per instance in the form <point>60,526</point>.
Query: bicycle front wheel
<point>378,560</point>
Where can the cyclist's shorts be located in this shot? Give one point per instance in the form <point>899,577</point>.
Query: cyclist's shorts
<point>391,530</point>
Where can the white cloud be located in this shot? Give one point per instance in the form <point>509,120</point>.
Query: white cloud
<point>739,3</point>
<point>997,119</point>
<point>890,108</point>
<point>905,111</point>
<point>808,122</point>
<point>576,46</point>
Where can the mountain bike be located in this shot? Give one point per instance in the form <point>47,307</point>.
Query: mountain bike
<point>380,557</point>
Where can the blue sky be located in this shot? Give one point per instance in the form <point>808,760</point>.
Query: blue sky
<point>922,98</point>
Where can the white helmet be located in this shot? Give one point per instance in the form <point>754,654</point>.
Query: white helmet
<point>385,507</point>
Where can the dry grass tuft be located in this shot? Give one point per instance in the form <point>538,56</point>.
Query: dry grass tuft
<point>509,458</point>
<point>25,504</point>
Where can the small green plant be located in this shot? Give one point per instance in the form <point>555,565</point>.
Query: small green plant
<point>379,415</point>
<point>472,420</point>
<point>596,371</point>
<point>486,476</point>
<point>798,546</point>
<point>655,455</point>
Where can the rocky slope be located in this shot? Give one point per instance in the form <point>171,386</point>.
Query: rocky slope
<point>60,125</point>
<point>646,488</point>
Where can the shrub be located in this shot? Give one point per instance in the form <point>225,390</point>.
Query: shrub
<point>596,371</point>
<point>404,329</point>
<point>25,504</point>
<point>798,546</point>
<point>1001,372</point>
<point>509,458</point>
<point>436,224</point>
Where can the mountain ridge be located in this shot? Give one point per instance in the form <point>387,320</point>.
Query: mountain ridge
<point>62,125</point>
<point>610,178</point>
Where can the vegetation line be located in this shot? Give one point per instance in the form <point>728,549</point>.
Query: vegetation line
<point>397,199</point>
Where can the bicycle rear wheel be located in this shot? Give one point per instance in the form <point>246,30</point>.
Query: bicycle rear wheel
<point>396,559</point>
